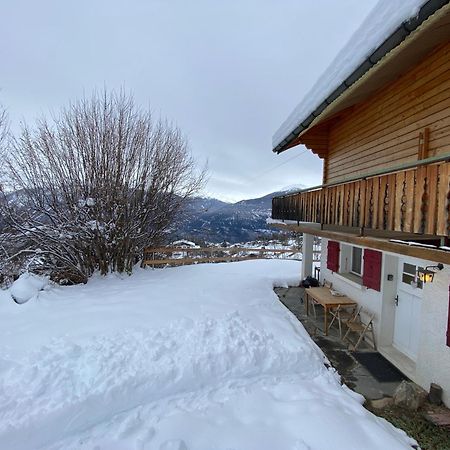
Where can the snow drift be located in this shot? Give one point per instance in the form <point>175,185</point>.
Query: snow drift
<point>199,357</point>
<point>27,286</point>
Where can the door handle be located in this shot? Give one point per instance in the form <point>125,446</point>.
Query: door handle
<point>396,300</point>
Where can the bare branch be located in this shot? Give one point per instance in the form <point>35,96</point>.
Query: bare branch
<point>99,183</point>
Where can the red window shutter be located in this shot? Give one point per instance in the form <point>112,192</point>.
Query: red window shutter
<point>372,269</point>
<point>448,324</point>
<point>333,256</point>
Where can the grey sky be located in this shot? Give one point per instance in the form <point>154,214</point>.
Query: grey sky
<point>227,72</point>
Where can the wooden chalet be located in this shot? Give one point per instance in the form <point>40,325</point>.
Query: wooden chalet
<point>383,209</point>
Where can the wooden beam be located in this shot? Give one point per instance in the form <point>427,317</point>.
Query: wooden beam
<point>429,254</point>
<point>380,234</point>
<point>170,250</point>
<point>424,144</point>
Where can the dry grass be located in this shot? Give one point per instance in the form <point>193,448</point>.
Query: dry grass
<point>428,435</point>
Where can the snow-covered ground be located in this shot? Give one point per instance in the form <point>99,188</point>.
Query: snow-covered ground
<point>196,357</point>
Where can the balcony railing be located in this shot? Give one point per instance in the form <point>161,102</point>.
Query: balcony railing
<point>413,200</point>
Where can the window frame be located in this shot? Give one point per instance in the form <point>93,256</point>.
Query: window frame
<point>361,261</point>
<point>415,282</point>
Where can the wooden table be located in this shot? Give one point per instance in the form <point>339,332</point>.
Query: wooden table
<point>323,296</point>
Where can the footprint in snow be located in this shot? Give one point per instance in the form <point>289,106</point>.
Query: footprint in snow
<point>301,445</point>
<point>173,444</point>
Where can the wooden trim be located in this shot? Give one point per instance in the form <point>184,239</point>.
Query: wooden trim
<point>155,256</point>
<point>170,250</point>
<point>426,185</point>
<point>448,320</point>
<point>333,252</point>
<point>428,254</point>
<point>375,173</point>
<point>432,80</point>
<point>391,66</point>
<point>187,261</point>
<point>325,170</point>
<point>372,265</point>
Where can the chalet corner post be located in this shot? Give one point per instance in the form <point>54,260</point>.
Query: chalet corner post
<point>307,257</point>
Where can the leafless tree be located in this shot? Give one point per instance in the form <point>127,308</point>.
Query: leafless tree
<point>98,183</point>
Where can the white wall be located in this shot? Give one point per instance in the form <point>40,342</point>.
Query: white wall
<point>433,360</point>
<point>370,300</point>
<point>388,292</point>
<point>433,363</point>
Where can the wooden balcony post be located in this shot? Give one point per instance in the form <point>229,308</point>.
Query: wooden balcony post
<point>362,206</point>
<point>442,225</point>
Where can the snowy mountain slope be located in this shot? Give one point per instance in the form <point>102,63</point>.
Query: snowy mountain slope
<point>216,221</point>
<point>213,220</point>
<point>191,358</point>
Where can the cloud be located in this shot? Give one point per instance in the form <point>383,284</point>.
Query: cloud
<point>228,73</point>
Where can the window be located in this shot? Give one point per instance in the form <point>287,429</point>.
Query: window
<point>356,265</point>
<point>409,275</point>
<point>361,266</point>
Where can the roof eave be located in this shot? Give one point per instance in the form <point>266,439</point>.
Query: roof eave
<point>393,41</point>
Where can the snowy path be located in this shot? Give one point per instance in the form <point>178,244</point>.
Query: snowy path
<point>199,357</point>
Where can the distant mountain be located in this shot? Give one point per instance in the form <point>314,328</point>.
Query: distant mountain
<point>212,220</point>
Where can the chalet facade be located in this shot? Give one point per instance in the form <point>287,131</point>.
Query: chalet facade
<point>383,209</point>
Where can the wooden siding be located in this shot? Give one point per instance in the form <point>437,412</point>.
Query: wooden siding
<point>408,201</point>
<point>386,129</point>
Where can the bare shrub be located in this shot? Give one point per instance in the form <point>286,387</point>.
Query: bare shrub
<point>97,184</point>
<point>4,135</point>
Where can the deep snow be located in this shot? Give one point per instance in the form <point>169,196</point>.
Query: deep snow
<point>382,21</point>
<point>27,286</point>
<point>198,357</point>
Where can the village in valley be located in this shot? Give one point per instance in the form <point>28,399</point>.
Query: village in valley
<point>181,282</point>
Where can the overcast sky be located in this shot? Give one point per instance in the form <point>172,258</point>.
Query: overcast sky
<point>228,73</point>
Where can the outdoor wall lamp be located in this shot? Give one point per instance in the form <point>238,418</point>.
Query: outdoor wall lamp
<point>427,275</point>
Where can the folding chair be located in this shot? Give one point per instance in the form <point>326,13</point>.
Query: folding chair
<point>343,314</point>
<point>360,327</point>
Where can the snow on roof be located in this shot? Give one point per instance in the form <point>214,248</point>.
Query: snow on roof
<point>382,21</point>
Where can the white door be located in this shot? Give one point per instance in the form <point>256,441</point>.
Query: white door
<point>407,310</point>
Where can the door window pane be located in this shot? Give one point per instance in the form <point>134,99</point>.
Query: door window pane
<point>409,275</point>
<point>409,268</point>
<point>408,279</point>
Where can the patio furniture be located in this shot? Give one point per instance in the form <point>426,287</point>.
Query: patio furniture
<point>326,284</point>
<point>323,296</point>
<point>360,328</point>
<point>343,314</point>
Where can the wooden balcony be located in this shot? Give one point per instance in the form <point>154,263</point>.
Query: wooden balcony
<point>412,200</point>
